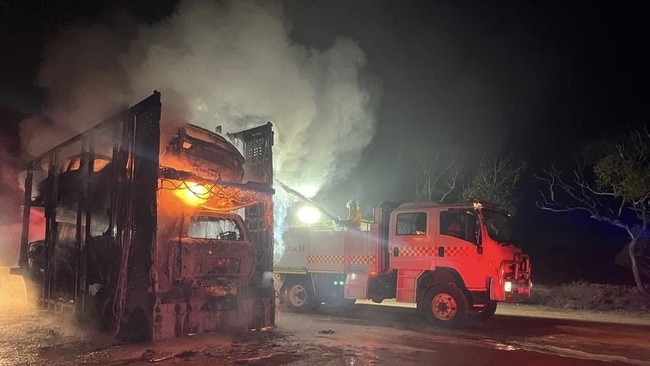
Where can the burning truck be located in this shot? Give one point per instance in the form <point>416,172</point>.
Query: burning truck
<point>150,242</point>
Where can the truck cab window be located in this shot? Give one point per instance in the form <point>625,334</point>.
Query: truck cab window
<point>459,224</point>
<point>412,223</point>
<point>499,225</point>
<point>206,227</point>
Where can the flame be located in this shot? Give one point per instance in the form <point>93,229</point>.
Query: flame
<point>190,194</point>
<point>194,194</point>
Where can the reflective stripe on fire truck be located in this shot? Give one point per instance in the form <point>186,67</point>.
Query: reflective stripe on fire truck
<point>432,252</point>
<point>325,259</point>
<point>457,251</point>
<point>360,259</point>
<point>338,259</point>
<point>416,251</point>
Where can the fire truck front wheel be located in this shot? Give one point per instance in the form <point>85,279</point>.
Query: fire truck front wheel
<point>298,297</point>
<point>445,305</point>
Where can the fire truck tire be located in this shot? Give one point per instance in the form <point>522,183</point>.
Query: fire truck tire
<point>445,305</point>
<point>298,297</point>
<point>484,314</point>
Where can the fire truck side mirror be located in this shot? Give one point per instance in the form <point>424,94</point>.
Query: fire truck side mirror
<point>395,251</point>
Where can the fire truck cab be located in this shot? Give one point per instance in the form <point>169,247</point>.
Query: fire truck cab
<point>454,261</point>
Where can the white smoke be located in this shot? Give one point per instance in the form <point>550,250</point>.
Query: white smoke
<point>84,84</point>
<point>236,66</point>
<point>233,65</point>
<point>229,64</point>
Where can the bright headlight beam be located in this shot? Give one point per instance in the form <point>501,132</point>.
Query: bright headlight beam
<point>308,214</point>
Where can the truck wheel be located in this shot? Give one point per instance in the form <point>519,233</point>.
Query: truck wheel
<point>484,314</point>
<point>445,305</point>
<point>298,297</point>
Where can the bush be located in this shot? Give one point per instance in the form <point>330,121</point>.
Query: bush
<point>590,296</point>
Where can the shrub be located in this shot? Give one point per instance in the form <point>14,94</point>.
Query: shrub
<point>590,296</point>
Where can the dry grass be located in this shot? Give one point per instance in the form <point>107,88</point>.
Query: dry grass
<point>590,296</point>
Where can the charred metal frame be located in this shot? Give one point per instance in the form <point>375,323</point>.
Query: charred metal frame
<point>127,205</point>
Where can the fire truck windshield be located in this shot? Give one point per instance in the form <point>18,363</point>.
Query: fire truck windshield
<point>499,225</point>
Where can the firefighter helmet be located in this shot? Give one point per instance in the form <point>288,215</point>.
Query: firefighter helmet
<point>352,203</point>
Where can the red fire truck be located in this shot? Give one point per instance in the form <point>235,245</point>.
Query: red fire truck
<point>454,261</point>
<point>153,239</point>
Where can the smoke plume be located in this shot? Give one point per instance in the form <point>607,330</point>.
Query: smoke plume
<point>227,64</point>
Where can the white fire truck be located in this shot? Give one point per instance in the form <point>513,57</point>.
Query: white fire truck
<point>454,261</point>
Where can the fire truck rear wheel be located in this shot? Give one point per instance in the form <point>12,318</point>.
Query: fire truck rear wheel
<point>445,305</point>
<point>484,314</point>
<point>298,297</point>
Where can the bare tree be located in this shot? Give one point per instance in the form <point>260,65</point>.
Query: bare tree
<point>438,176</point>
<point>613,187</point>
<point>496,181</point>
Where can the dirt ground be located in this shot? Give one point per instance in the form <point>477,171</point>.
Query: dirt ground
<point>367,335</point>
<point>49,338</point>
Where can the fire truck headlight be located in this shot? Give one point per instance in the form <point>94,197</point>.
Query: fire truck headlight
<point>309,215</point>
<point>507,286</point>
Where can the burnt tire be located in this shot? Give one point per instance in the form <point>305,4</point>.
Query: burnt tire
<point>445,305</point>
<point>484,314</point>
<point>298,297</point>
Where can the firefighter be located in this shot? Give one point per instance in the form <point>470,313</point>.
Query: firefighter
<point>455,228</point>
<point>354,215</point>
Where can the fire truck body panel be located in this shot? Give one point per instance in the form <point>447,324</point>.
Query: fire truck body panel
<point>411,252</point>
<point>310,251</point>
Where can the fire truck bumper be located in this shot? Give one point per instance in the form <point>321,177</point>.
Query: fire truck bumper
<point>516,291</point>
<point>513,284</point>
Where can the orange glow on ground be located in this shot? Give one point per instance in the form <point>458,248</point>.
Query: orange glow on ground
<point>13,291</point>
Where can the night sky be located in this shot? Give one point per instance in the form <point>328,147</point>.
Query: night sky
<point>532,78</point>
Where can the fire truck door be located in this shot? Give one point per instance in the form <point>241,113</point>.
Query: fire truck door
<point>410,245</point>
<point>458,247</point>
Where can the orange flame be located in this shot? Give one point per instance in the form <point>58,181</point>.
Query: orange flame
<point>194,194</point>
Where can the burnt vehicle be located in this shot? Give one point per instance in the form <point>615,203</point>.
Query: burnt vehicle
<point>150,242</point>
<point>70,180</point>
